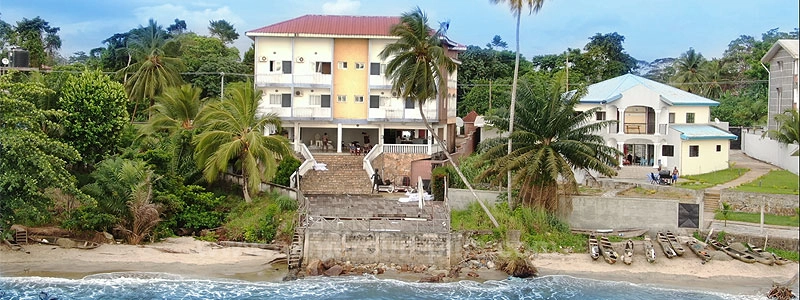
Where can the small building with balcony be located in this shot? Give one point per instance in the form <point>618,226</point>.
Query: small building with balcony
<point>322,76</point>
<point>784,67</point>
<point>658,125</point>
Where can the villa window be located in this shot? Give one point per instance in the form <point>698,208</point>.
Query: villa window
<point>359,66</point>
<point>359,98</point>
<point>600,115</point>
<point>287,66</point>
<point>668,150</point>
<point>672,118</point>
<point>315,100</point>
<point>719,148</point>
<point>377,69</point>
<point>342,65</point>
<point>341,98</point>
<point>410,103</point>
<point>694,151</point>
<point>275,99</point>
<point>274,66</point>
<point>325,101</point>
<point>374,101</point>
<point>690,118</point>
<point>323,67</point>
<point>286,100</point>
<point>780,66</point>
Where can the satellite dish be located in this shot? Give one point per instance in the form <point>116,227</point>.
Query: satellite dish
<point>5,61</point>
<point>459,122</point>
<point>716,120</point>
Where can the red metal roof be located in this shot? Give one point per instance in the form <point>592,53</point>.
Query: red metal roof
<point>333,25</point>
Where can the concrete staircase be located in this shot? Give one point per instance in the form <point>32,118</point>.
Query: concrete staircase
<point>345,175</point>
<point>711,201</point>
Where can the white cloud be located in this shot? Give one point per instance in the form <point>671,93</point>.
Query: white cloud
<point>196,20</point>
<point>341,7</point>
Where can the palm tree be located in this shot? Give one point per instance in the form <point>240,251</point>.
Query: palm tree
<point>789,131</point>
<point>516,9</point>
<point>174,114</point>
<point>416,70</point>
<point>551,141</point>
<point>153,71</point>
<point>233,132</point>
<point>690,71</point>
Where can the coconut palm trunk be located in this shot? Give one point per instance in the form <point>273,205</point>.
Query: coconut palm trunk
<point>511,203</point>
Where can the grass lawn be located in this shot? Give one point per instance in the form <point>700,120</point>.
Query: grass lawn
<point>702,181</point>
<point>756,218</point>
<point>774,182</point>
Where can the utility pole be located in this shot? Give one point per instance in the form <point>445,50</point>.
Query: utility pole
<point>222,85</point>
<point>567,87</point>
<point>490,94</point>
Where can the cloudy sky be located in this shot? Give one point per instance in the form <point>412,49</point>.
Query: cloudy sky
<point>652,28</point>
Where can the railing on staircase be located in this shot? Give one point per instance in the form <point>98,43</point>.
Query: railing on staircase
<point>307,164</point>
<point>372,154</point>
<point>295,255</point>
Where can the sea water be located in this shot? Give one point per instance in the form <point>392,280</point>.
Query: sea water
<point>167,286</point>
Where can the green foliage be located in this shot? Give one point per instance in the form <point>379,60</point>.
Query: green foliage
<point>745,108</point>
<point>437,182</point>
<point>96,107</point>
<point>787,254</point>
<point>702,181</point>
<point>222,30</point>
<point>725,212</point>
<point>788,132</point>
<point>201,210</point>
<point>721,236</point>
<point>38,37</point>
<point>605,58</point>
<point>774,182</point>
<point>286,168</point>
<point>87,218</point>
<point>261,220</point>
<point>769,219</point>
<point>114,179</point>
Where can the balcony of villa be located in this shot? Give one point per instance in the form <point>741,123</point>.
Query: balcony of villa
<point>308,113</point>
<point>315,80</point>
<point>379,82</point>
<point>402,114</point>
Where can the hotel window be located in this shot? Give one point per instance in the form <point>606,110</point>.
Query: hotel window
<point>359,98</point>
<point>694,151</point>
<point>286,100</point>
<point>323,67</point>
<point>274,66</point>
<point>342,65</point>
<point>341,98</point>
<point>275,99</point>
<point>672,118</point>
<point>374,101</point>
<point>377,69</point>
<point>359,66</point>
<point>410,103</point>
<point>600,115</point>
<point>668,150</point>
<point>287,67</point>
<point>719,148</point>
<point>325,101</point>
<point>315,100</point>
<point>689,117</point>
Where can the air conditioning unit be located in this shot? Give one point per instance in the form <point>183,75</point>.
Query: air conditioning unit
<point>300,59</point>
<point>298,93</point>
<point>394,94</point>
<point>262,59</point>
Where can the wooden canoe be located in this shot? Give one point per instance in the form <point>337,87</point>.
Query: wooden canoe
<point>700,249</point>
<point>761,256</point>
<point>780,260</point>
<point>649,251</point>
<point>623,233</point>
<point>594,247</point>
<point>607,250</point>
<point>673,241</point>
<point>627,254</point>
<point>79,244</point>
<point>665,245</point>
<point>732,252</point>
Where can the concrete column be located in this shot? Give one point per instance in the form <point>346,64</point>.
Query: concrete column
<point>621,120</point>
<point>657,122</point>
<point>339,138</point>
<point>381,128</point>
<point>296,139</point>
<point>656,153</point>
<point>430,142</point>
<point>621,147</point>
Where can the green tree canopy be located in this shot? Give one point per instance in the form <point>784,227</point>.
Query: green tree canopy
<point>223,31</point>
<point>96,114</point>
<point>35,35</point>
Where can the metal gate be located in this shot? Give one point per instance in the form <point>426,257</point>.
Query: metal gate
<point>688,215</point>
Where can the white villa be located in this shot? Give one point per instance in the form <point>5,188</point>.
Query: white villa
<point>659,125</point>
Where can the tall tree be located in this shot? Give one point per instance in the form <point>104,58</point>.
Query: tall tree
<point>178,27</point>
<point>97,115</point>
<point>516,9</point>
<point>690,74</point>
<point>789,131</point>
<point>418,61</point>
<point>223,30</point>
<point>38,37</point>
<point>605,57</point>
<point>153,70</point>
<point>551,140</point>
<point>232,131</point>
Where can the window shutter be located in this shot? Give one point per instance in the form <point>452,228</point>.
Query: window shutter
<point>374,101</point>
<point>374,69</point>
<point>326,101</point>
<point>286,100</point>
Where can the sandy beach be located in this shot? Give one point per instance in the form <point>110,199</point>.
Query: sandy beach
<point>197,259</point>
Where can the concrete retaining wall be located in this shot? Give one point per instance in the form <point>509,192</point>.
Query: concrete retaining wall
<point>770,151</point>
<point>776,204</point>
<point>366,247</point>
<point>594,212</point>
<point>460,199</point>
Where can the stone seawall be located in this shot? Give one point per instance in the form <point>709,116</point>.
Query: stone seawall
<point>776,204</point>
<point>367,247</point>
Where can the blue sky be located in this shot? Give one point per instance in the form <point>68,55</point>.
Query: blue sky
<point>652,28</point>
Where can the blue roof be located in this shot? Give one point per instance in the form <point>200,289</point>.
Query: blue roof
<point>702,132</point>
<point>612,89</point>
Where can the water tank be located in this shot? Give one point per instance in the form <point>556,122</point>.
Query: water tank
<point>20,58</point>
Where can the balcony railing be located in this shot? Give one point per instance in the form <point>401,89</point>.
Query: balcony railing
<point>639,128</point>
<point>279,79</point>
